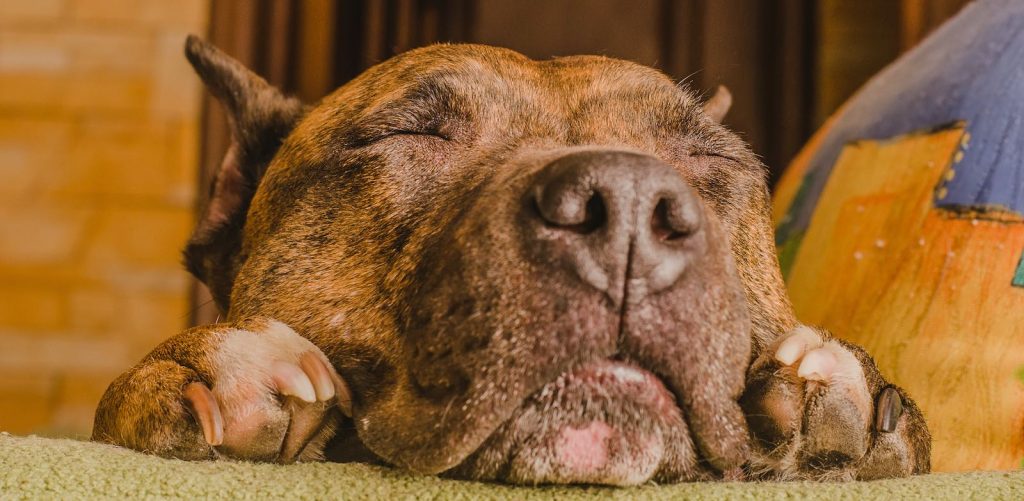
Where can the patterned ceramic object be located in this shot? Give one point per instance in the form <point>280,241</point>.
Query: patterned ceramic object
<point>900,228</point>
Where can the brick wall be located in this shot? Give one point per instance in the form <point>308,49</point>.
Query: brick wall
<point>99,116</point>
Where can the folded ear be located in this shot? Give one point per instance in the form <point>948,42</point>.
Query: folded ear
<point>719,104</point>
<point>260,117</point>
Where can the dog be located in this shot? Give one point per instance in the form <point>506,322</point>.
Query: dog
<point>469,263</point>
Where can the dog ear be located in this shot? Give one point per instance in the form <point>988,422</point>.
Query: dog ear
<point>260,117</point>
<point>719,104</point>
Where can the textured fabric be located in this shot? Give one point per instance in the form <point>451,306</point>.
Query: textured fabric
<point>33,467</point>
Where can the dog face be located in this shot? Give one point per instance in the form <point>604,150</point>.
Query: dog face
<point>509,261</point>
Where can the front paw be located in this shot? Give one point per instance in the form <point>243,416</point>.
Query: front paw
<point>818,408</point>
<point>254,390</point>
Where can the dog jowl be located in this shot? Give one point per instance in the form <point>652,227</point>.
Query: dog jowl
<point>471,263</point>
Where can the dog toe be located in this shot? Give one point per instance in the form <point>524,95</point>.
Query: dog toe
<point>818,365</point>
<point>796,344</point>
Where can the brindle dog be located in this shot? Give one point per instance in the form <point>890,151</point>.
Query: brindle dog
<point>470,262</point>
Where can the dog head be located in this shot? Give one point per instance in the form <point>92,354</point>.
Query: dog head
<point>530,271</point>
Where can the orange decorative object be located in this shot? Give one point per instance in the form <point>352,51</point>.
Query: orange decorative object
<point>900,229</point>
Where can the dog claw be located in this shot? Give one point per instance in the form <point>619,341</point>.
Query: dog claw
<point>204,408</point>
<point>817,365</point>
<point>343,393</point>
<point>889,410</point>
<point>319,375</point>
<point>292,381</point>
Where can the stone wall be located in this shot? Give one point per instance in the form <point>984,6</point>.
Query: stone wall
<point>99,117</point>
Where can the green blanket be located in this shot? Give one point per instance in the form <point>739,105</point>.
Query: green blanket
<point>34,467</point>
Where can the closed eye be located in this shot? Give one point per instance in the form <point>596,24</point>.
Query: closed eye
<point>713,154</point>
<point>368,138</point>
<point>415,133</point>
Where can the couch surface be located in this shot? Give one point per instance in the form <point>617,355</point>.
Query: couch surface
<point>35,467</point>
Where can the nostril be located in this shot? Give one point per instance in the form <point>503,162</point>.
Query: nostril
<point>567,214</point>
<point>668,226</point>
<point>659,223</point>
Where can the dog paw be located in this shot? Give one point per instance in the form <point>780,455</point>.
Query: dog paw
<point>836,403</point>
<point>808,403</point>
<point>270,395</point>
<point>818,408</point>
<point>254,391</point>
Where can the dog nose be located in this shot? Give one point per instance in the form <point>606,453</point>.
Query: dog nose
<point>626,223</point>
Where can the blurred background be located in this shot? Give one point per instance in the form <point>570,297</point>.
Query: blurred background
<point>107,141</point>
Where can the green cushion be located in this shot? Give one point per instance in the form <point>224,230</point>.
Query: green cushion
<point>37,467</point>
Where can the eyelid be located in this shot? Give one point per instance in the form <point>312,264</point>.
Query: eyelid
<point>703,153</point>
<point>367,138</point>
<point>407,132</point>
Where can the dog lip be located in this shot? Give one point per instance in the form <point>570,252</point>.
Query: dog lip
<point>625,373</point>
<point>612,371</point>
<point>646,385</point>
<point>623,454</point>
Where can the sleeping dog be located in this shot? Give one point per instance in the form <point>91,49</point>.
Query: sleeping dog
<point>466,262</point>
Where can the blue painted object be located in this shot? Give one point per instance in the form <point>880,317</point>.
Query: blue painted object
<point>970,69</point>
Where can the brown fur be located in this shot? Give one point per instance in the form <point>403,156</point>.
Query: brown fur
<point>387,224</point>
